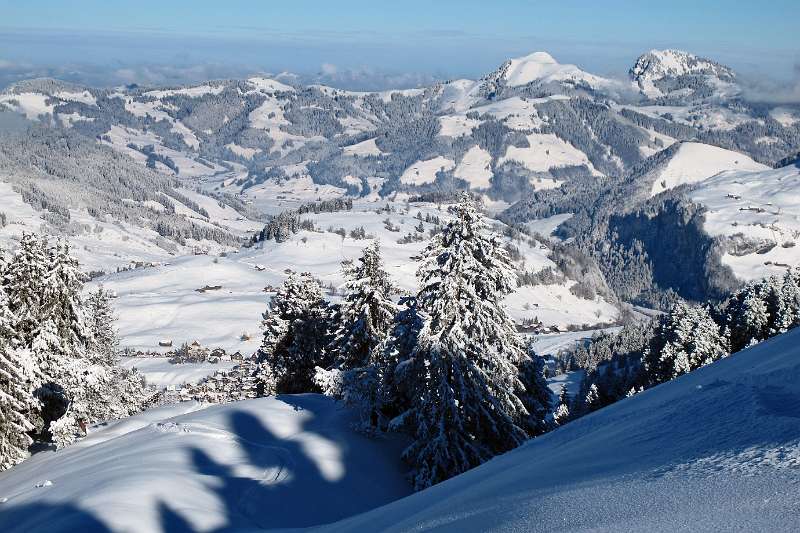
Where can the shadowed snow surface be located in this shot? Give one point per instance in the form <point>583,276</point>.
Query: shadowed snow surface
<point>716,450</point>
<point>270,463</point>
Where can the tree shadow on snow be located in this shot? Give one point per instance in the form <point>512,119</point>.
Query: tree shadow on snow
<point>291,491</point>
<point>44,516</point>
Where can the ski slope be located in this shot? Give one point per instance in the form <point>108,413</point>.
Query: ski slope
<point>715,450</point>
<point>272,463</point>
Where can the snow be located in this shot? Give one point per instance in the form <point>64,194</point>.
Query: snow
<point>120,136</point>
<point>272,463</point>
<point>192,92</point>
<point>32,105</point>
<point>518,113</point>
<point>247,153</point>
<point>459,95</point>
<point>269,116</point>
<point>785,116</point>
<point>105,244</point>
<point>363,149</point>
<point>659,64</point>
<point>695,162</point>
<point>68,119</point>
<point>546,226</point>
<point>714,450</point>
<point>541,66</point>
<point>475,168</point>
<point>457,125</point>
<point>83,97</point>
<point>155,109</point>
<point>162,301</point>
<point>704,115</point>
<point>547,151</point>
<point>423,172</point>
<point>556,305</point>
<point>160,373</point>
<point>763,207</point>
<point>268,85</point>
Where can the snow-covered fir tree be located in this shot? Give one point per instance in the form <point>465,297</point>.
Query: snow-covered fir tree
<point>684,339</point>
<point>296,335</point>
<point>535,395</point>
<point>24,281</point>
<point>762,309</point>
<point>592,400</point>
<point>562,415</point>
<point>16,398</point>
<point>72,383</point>
<point>100,321</point>
<point>367,310</point>
<point>461,375</point>
<point>787,312</point>
<point>364,321</point>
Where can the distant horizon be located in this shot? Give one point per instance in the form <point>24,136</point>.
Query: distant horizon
<point>357,45</point>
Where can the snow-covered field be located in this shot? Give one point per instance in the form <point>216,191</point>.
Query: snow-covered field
<point>272,463</point>
<point>714,450</point>
<point>160,373</point>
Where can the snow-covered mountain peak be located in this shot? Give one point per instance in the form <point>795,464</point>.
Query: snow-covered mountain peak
<point>541,68</point>
<point>656,71</point>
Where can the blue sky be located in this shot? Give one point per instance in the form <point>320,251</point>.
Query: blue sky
<point>408,41</point>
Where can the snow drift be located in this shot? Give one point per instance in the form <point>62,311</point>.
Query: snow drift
<point>270,463</point>
<point>715,450</point>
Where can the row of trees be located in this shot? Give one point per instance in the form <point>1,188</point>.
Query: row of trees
<point>684,339</point>
<point>445,366</point>
<point>58,370</point>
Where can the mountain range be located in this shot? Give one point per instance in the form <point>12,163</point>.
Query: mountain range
<point>535,138</point>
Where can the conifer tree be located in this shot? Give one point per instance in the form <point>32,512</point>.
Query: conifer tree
<point>592,400</point>
<point>25,288</point>
<point>296,334</point>
<point>747,317</point>
<point>535,395</point>
<point>100,322</point>
<point>16,399</point>
<point>685,339</point>
<point>461,376</point>
<point>364,321</point>
<point>562,415</point>
<point>73,379</point>
<point>366,313</point>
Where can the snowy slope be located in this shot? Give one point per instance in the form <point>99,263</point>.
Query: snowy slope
<point>423,172</point>
<point>715,450</point>
<point>760,213</point>
<point>265,463</point>
<point>693,162</point>
<point>475,168</point>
